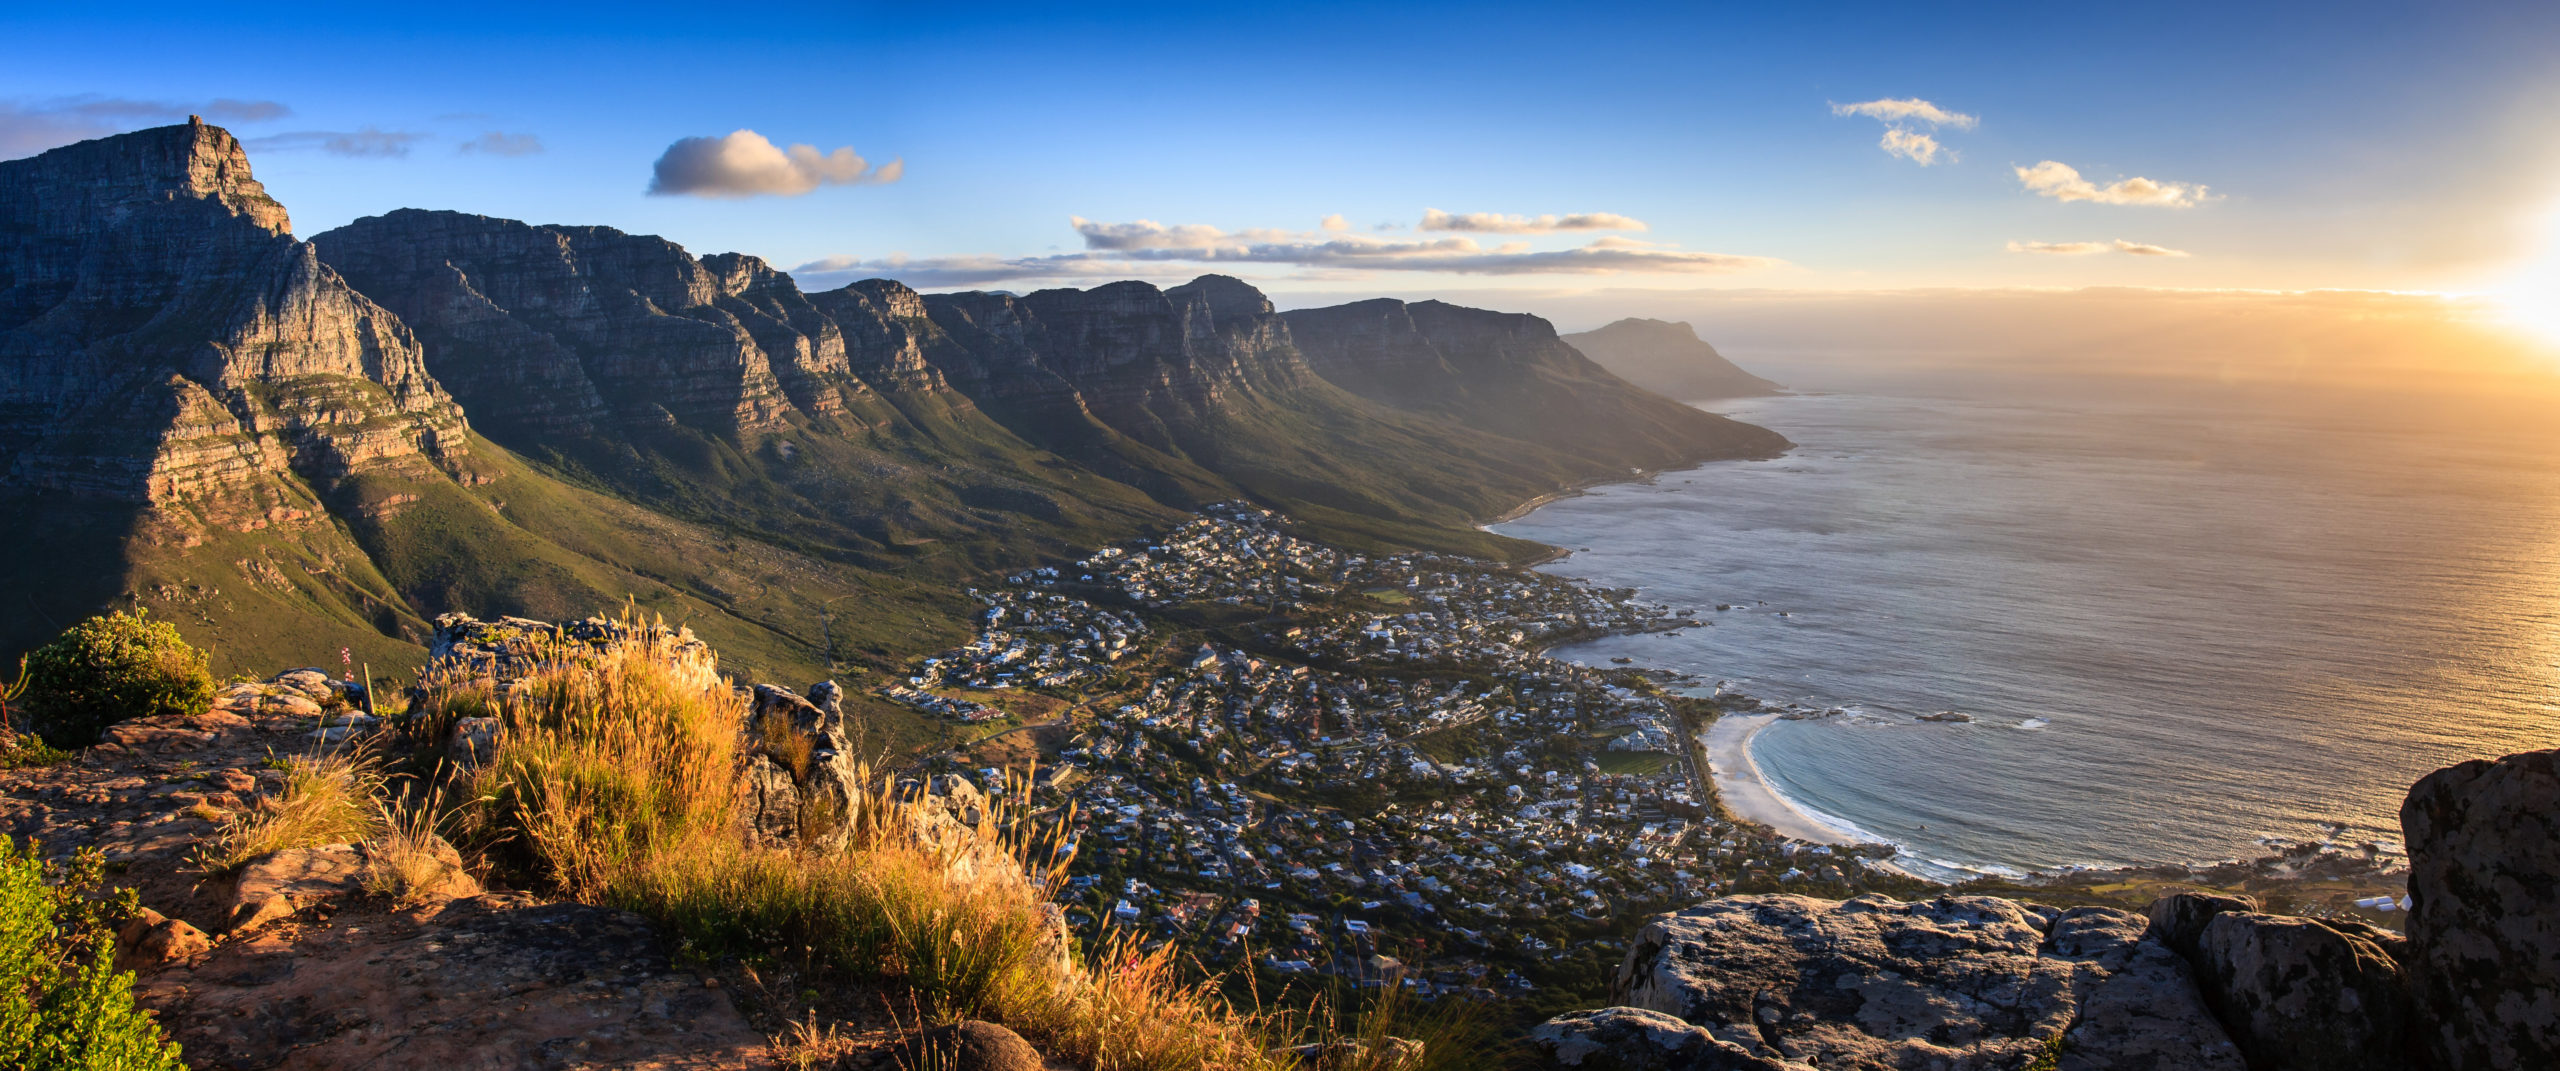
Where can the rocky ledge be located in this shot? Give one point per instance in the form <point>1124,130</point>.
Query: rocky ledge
<point>1791,983</point>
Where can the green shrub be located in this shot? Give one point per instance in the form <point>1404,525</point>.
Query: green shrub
<point>63,1005</point>
<point>110,668</point>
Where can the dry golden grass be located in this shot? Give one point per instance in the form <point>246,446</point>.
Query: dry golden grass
<point>605,762</point>
<point>408,859</point>
<point>807,1045</point>
<point>615,782</point>
<point>328,798</point>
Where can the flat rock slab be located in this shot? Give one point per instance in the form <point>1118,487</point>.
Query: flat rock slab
<point>1960,983</point>
<point>303,874</point>
<point>498,981</point>
<point>150,793</point>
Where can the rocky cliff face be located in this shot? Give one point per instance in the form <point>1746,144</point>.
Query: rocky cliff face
<point>1669,359</point>
<point>545,330</point>
<point>164,338</point>
<point>1147,362</point>
<point>1787,983</point>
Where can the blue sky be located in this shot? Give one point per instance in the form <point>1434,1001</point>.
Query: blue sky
<point>2339,145</point>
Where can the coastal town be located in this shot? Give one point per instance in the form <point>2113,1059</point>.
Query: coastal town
<point>1361,768</point>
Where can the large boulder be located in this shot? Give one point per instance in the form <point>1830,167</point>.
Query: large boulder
<point>1960,982</point>
<point>786,710</point>
<point>1639,1039</point>
<point>2300,996</point>
<point>150,939</point>
<point>2178,920</point>
<point>771,813</point>
<point>2147,1016</point>
<point>975,1045</point>
<point>2484,918</point>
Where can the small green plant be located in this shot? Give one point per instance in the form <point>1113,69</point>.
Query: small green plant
<point>63,1005</point>
<point>31,751</point>
<point>110,668</point>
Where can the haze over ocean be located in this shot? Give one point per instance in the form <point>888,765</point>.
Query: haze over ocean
<point>2243,613</point>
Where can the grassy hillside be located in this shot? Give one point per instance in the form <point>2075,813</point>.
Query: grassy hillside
<point>371,573</point>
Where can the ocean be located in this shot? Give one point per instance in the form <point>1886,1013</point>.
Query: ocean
<point>2185,618</point>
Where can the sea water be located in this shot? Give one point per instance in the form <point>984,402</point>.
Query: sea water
<point>2185,619</point>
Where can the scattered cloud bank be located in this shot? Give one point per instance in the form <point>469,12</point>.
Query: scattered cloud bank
<point>1899,116</point>
<point>1907,110</point>
<point>2062,182</point>
<point>1916,147</point>
<point>370,141</point>
<point>31,126</point>
<point>1142,246</point>
<point>500,143</point>
<point>2082,249</point>
<point>743,163</point>
<point>1434,219</point>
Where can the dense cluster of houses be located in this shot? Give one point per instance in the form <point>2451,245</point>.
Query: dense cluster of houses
<point>1034,638</point>
<point>1409,798</point>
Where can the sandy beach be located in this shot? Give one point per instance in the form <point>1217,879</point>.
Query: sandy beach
<point>1745,792</point>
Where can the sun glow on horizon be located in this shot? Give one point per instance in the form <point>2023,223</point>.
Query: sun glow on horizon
<point>2531,297</point>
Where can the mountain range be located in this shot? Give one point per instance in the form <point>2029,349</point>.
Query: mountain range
<point>289,446</point>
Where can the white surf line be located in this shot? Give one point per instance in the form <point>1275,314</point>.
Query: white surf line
<point>1746,792</point>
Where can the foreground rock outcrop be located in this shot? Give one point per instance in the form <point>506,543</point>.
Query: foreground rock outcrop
<point>291,963</point>
<point>1960,982</point>
<point>2484,921</point>
<point>2200,981</point>
<point>497,980</point>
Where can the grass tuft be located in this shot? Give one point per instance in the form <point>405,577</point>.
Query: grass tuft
<point>408,860</point>
<point>328,797</point>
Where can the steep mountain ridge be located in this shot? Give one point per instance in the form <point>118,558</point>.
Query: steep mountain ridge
<point>1511,375</point>
<point>201,417</point>
<point>1668,358</point>
<point>254,435</point>
<point>165,338</point>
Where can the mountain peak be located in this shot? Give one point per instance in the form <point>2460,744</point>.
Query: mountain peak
<point>1668,357</point>
<point>116,176</point>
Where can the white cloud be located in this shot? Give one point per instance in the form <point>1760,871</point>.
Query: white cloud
<point>743,163</point>
<point>973,270</point>
<point>1898,117</point>
<point>2082,249</point>
<point>1434,219</point>
<point>31,126</point>
<point>2066,249</point>
<point>1916,147</point>
<point>1906,110</point>
<point>1149,234</point>
<point>370,141</point>
<point>1133,247</point>
<point>1335,222</point>
<point>2062,182</point>
<point>500,143</point>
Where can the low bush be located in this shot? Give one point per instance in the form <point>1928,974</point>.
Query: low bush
<point>110,668</point>
<point>63,1005</point>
